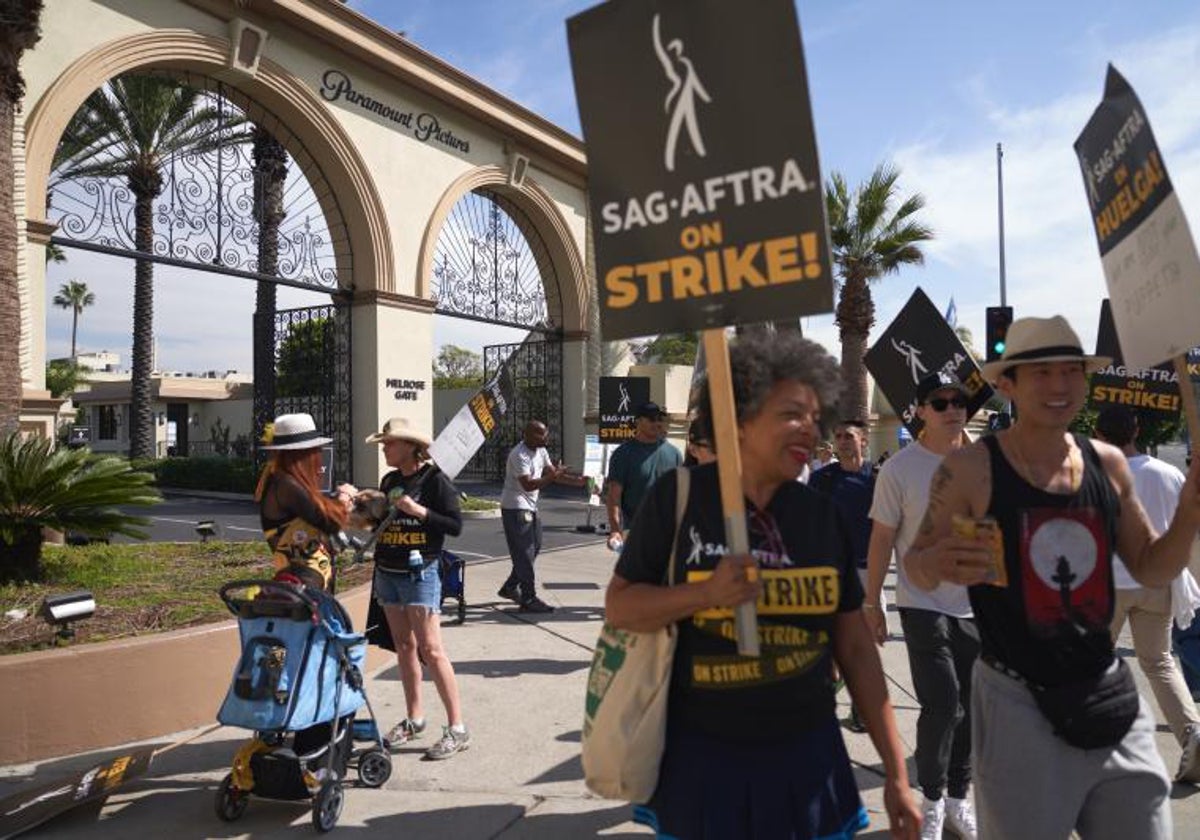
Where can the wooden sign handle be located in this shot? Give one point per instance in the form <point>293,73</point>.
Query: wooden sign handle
<point>729,470</point>
<point>1188,394</point>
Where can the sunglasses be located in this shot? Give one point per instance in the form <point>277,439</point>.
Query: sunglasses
<point>940,404</point>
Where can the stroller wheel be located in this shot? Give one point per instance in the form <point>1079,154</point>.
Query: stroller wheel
<point>374,768</point>
<point>231,802</point>
<point>327,805</point>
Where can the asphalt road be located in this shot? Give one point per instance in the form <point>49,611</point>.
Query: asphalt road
<point>175,520</point>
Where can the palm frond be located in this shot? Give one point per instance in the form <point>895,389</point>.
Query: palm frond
<point>68,489</point>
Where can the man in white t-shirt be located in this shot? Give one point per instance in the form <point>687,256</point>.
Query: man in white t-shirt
<point>1150,609</point>
<point>941,637</point>
<point>528,470</point>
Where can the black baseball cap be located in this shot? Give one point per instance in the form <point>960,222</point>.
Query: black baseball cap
<point>651,410</point>
<point>935,382</point>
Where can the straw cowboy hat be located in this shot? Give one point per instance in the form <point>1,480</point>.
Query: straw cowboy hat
<point>293,431</point>
<point>398,428</point>
<point>1038,340</point>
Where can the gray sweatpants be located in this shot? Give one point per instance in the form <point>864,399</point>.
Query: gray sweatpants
<point>1031,783</point>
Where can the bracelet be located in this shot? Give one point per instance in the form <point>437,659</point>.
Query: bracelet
<point>866,606</point>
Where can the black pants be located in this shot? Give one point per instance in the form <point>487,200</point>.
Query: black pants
<point>941,653</point>
<point>523,533</point>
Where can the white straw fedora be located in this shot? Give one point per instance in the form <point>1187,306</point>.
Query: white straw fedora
<point>1034,340</point>
<point>294,431</point>
<point>398,428</point>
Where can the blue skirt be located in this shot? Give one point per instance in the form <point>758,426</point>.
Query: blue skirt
<point>799,787</point>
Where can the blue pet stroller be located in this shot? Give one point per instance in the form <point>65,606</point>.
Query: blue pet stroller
<point>299,686</point>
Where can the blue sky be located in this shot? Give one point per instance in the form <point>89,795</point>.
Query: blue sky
<point>930,86</point>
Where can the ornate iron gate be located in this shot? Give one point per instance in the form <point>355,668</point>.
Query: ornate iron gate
<point>536,369</point>
<point>311,349</point>
<point>228,200</point>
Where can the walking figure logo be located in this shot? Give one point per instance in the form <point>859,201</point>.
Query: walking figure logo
<point>623,406</point>
<point>913,357</point>
<point>693,557</point>
<point>681,99</point>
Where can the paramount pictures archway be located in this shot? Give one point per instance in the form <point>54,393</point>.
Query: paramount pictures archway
<point>232,203</point>
<point>386,188</point>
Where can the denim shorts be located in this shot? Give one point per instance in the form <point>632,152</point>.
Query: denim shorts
<point>408,590</point>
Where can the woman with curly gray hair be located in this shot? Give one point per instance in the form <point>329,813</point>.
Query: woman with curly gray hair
<point>753,745</point>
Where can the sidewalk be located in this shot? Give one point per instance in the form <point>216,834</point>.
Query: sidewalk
<point>522,681</point>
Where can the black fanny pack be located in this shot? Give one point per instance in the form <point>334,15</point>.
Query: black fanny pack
<point>1092,713</point>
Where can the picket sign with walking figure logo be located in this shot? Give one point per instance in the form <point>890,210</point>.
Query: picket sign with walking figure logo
<point>729,231</point>
<point>681,99</point>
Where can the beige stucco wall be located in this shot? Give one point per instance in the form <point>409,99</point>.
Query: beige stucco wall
<point>135,688</point>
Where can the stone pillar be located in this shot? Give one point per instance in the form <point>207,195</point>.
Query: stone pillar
<point>392,373</point>
<point>576,392</point>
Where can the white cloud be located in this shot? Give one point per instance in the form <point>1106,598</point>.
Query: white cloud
<point>1052,262</point>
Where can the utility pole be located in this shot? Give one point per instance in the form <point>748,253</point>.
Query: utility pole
<point>1000,202</point>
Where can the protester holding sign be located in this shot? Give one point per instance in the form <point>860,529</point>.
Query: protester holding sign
<point>635,466</point>
<point>1061,739</point>
<point>410,593</point>
<point>1152,609</point>
<point>940,636</point>
<point>752,743</point>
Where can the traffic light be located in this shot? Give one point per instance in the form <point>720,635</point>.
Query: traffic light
<point>998,319</point>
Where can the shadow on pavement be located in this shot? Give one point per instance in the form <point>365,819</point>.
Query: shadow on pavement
<point>499,668</point>
<point>192,806</point>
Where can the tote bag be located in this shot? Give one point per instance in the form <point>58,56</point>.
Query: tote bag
<point>625,712</point>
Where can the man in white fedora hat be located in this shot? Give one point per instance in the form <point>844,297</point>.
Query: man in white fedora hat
<point>1061,739</point>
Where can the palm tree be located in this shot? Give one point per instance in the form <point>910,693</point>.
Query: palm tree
<point>74,296</point>
<point>65,489</point>
<point>871,237</point>
<point>19,31</point>
<point>270,175</point>
<point>130,129</point>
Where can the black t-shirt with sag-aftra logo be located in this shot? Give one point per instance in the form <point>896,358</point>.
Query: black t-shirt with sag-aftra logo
<point>802,545</point>
<point>429,486</point>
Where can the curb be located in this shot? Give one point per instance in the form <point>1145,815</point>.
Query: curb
<point>494,513</point>
<point>206,494</point>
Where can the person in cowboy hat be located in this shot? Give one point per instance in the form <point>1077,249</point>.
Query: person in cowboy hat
<point>296,516</point>
<point>1062,741</point>
<point>405,603</point>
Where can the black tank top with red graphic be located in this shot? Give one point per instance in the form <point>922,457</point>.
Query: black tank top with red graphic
<point>1051,623</point>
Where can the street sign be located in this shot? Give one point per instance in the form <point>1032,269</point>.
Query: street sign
<point>703,178</point>
<point>917,343</point>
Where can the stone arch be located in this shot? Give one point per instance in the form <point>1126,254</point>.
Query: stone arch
<point>342,182</point>
<point>551,226</point>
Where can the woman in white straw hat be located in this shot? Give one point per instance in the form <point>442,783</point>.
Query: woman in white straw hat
<point>427,511</point>
<point>296,516</point>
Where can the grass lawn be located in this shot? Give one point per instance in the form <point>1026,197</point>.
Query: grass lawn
<point>139,588</point>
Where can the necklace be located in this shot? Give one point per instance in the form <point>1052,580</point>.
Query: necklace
<point>1074,471</point>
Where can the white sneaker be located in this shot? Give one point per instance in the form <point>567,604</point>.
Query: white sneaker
<point>1189,762</point>
<point>933,817</point>
<point>960,818</point>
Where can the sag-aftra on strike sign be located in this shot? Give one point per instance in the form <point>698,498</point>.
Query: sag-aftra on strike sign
<point>703,182</point>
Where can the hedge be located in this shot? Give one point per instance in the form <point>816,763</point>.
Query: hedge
<point>228,475</point>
